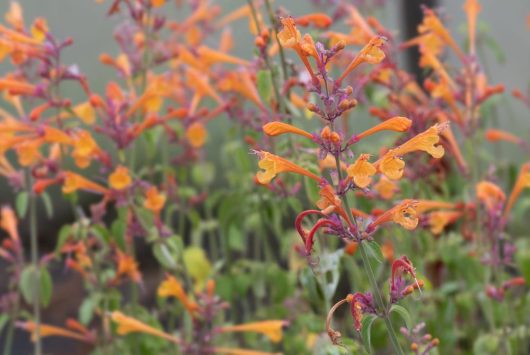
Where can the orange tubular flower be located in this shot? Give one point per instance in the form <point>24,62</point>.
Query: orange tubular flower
<point>127,266</point>
<point>242,83</point>
<point>16,87</point>
<point>391,163</point>
<point>171,287</point>
<point>371,53</point>
<point>211,56</point>
<point>128,325</point>
<point>273,329</point>
<point>452,143</point>
<point>8,222</point>
<point>472,8</point>
<point>396,124</point>
<point>523,181</point>
<point>318,20</point>
<point>50,331</point>
<point>273,165</point>
<point>490,195</point>
<point>404,214</point>
<point>154,200</point>
<point>440,219</point>
<point>432,24</point>
<point>428,205</point>
<point>73,182</point>
<point>290,37</point>
<point>277,128</point>
<point>362,171</point>
<point>196,135</point>
<point>386,188</point>
<point>329,202</point>
<point>495,135</point>
<point>120,178</point>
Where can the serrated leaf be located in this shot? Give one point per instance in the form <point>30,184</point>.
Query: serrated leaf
<point>21,203</point>
<point>366,330</point>
<point>375,251</point>
<point>403,313</point>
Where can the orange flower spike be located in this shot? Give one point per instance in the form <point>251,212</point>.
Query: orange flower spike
<point>370,53</point>
<point>73,182</point>
<point>391,163</point>
<point>200,83</point>
<point>277,128</point>
<point>50,331</point>
<point>438,220</point>
<point>171,287</point>
<point>154,200</point>
<point>120,179</point>
<point>403,214</point>
<point>522,182</point>
<point>490,195</point>
<point>396,124</point>
<point>472,8</point>
<point>319,20</point>
<point>18,87</point>
<point>431,23</point>
<point>196,135</point>
<point>127,325</point>
<point>272,329</point>
<point>290,37</point>
<point>495,135</point>
<point>28,152</point>
<point>8,222</point>
<point>453,144</point>
<point>362,171</point>
<point>273,165</point>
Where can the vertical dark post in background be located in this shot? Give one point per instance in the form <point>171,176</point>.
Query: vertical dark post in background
<point>412,16</point>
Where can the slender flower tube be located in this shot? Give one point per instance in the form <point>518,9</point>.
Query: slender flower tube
<point>273,165</point>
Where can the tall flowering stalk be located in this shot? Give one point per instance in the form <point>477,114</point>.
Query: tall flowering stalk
<point>336,217</point>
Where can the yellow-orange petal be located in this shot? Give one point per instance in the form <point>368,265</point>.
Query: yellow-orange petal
<point>120,178</point>
<point>490,195</point>
<point>127,325</point>
<point>522,182</point>
<point>274,129</point>
<point>154,200</point>
<point>170,287</point>
<point>196,134</point>
<point>403,214</point>
<point>272,165</point>
<point>362,171</point>
<point>438,220</point>
<point>494,135</point>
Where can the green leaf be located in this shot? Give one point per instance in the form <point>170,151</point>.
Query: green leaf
<point>64,233</point>
<point>3,321</point>
<point>28,279</point>
<point>48,205</point>
<point>87,308</point>
<point>403,313</point>
<point>46,287</point>
<point>522,258</point>
<point>264,84</point>
<point>375,250</point>
<point>366,330</point>
<point>21,203</point>
<point>164,256</point>
<point>235,238</point>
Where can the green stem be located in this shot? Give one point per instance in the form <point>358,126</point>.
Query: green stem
<point>11,330</point>
<point>35,263</point>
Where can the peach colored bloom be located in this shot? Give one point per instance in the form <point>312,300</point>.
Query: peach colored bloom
<point>171,287</point>
<point>522,182</point>
<point>277,128</point>
<point>127,325</point>
<point>154,200</point>
<point>490,195</point>
<point>273,329</point>
<point>273,165</point>
<point>396,124</point>
<point>370,53</point>
<point>120,179</point>
<point>495,135</point>
<point>362,171</point>
<point>73,182</point>
<point>404,214</point>
<point>196,135</point>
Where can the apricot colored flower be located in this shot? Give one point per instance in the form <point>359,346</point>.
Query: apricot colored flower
<point>432,24</point>
<point>28,152</point>
<point>273,329</point>
<point>319,20</point>
<point>273,165</point>
<point>172,288</point>
<point>370,53</point>
<point>522,182</point>
<point>472,8</point>
<point>85,148</point>
<point>127,325</point>
<point>277,128</point>
<point>362,171</point>
<point>46,330</point>
<point>154,200</point>
<point>196,135</point>
<point>494,135</point>
<point>386,188</point>
<point>8,222</point>
<point>211,56</point>
<point>329,202</point>
<point>397,124</point>
<point>85,112</point>
<point>403,214</point>
<point>242,83</point>
<point>127,266</point>
<point>423,206</point>
<point>120,178</point>
<point>490,195</point>
<point>438,220</point>
<point>73,182</point>
<point>391,163</point>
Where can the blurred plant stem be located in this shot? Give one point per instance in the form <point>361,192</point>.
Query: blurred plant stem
<point>11,328</point>
<point>34,262</point>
